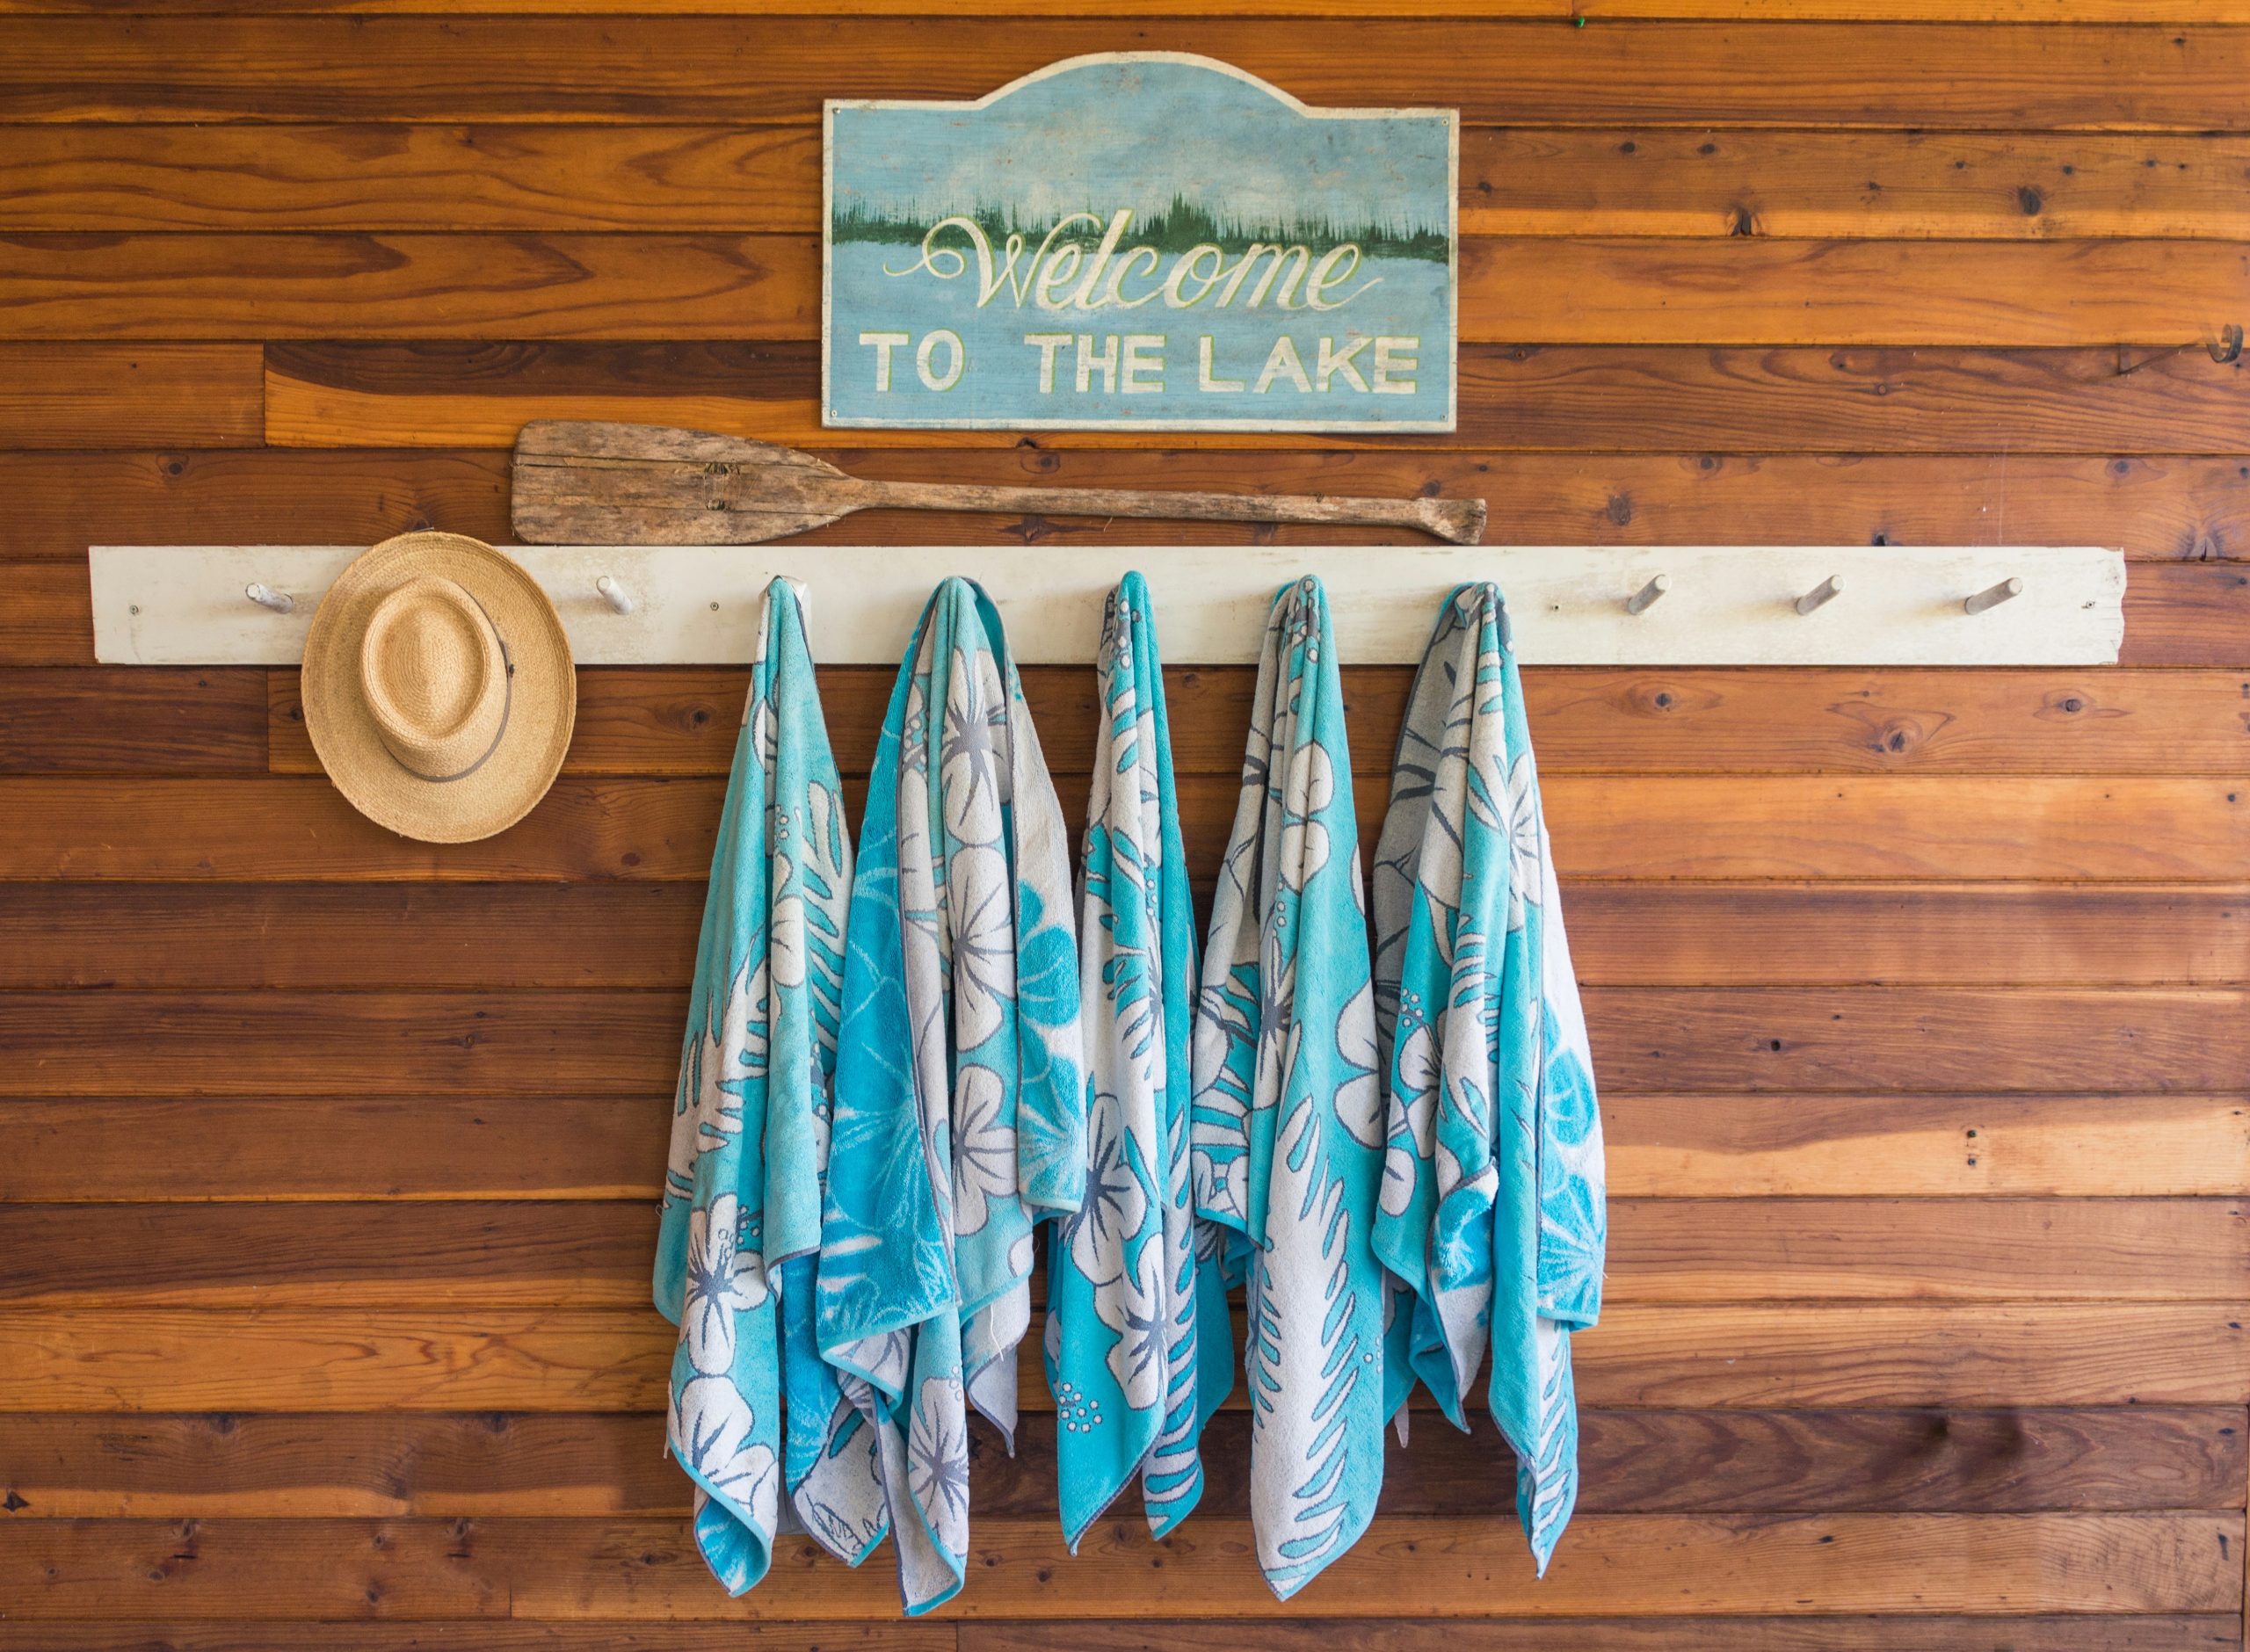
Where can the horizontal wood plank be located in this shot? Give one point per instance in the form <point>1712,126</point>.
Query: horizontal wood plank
<point>297,1148</point>
<point>1578,398</point>
<point>1792,1039</point>
<point>1787,1355</point>
<point>131,720</point>
<point>748,68</point>
<point>1462,1567</point>
<point>1659,933</point>
<point>2167,1632</point>
<point>523,1255</point>
<point>444,1466</point>
<point>685,720</point>
<point>2043,11</point>
<point>1738,290</point>
<point>130,395</point>
<point>718,179</point>
<point>300,829</point>
<point>2154,509</point>
<point>1995,1146</point>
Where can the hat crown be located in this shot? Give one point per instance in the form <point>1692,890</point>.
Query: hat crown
<point>434,675</point>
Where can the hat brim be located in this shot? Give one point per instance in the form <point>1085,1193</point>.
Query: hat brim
<point>542,693</point>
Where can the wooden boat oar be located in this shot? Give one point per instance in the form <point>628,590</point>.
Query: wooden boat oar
<point>591,481</point>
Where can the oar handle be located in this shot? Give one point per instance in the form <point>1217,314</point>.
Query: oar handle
<point>1461,521</point>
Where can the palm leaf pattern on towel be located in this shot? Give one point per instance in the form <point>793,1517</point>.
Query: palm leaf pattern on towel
<point>1137,1338</point>
<point>755,1412</point>
<point>961,1090</point>
<point>1492,1222</point>
<point>1287,1128</point>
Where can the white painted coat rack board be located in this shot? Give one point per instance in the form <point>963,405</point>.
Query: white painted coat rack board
<point>238,604</point>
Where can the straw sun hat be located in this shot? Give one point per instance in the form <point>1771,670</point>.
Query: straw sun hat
<point>437,688</point>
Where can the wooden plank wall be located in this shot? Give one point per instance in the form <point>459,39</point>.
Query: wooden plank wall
<point>1917,996</point>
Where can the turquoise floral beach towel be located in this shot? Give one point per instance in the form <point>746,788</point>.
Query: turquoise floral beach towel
<point>755,1412</point>
<point>1493,1218</point>
<point>961,1091</point>
<point>1138,1347</point>
<point>1288,1127</point>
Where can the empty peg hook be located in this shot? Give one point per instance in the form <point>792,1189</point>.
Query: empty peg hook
<point>1643,600</point>
<point>1994,597</point>
<point>266,597</point>
<point>619,598</point>
<point>1826,591</point>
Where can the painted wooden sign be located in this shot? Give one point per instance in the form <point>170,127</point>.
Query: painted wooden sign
<point>1142,239</point>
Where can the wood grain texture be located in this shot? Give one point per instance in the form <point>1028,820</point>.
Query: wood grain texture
<point>1997,1146</point>
<point>127,720</point>
<point>683,721</point>
<point>1788,1355</point>
<point>300,829</point>
<point>1615,1564</point>
<point>130,395</point>
<point>754,69</point>
<point>2167,1632</point>
<point>1662,933</point>
<point>596,1255</point>
<point>1539,291</point>
<point>444,1466</point>
<point>1790,1040</point>
<point>2153,508</point>
<point>1608,399</point>
<point>2039,11</point>
<point>722,179</point>
<point>445,1146</point>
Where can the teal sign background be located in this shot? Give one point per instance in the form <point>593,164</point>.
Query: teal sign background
<point>1139,239</point>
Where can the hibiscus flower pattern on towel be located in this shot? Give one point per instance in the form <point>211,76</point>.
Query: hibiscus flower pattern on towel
<point>757,1418</point>
<point>1288,1122</point>
<point>1138,1347</point>
<point>1493,1218</point>
<point>961,1091</point>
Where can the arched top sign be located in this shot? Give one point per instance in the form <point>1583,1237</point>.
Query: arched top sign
<point>1139,239</point>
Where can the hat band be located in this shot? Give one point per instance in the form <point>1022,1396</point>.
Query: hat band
<point>507,704</point>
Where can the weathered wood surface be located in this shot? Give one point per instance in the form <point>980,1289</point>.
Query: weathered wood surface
<point>536,1569</point>
<point>720,179</point>
<point>1584,720</point>
<point>1786,1355</point>
<point>1889,1367</point>
<point>581,481</point>
<point>1738,290</point>
<point>1756,828</point>
<point>1606,398</point>
<point>445,1146</point>
<point>753,69</point>
<point>2167,1632</point>
<point>129,396</point>
<point>1660,933</point>
<point>412,1254</point>
<point>1793,1040</point>
<point>131,721</point>
<point>2153,508</point>
<point>589,1466</point>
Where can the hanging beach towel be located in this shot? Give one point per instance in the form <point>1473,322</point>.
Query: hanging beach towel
<point>1288,1129</point>
<point>961,1093</point>
<point>754,1412</point>
<point>1492,1207</point>
<point>1138,1347</point>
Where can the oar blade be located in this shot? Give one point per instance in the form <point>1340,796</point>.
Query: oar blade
<point>593,481</point>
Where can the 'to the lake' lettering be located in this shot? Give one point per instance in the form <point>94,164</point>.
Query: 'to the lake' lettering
<point>1139,239</point>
